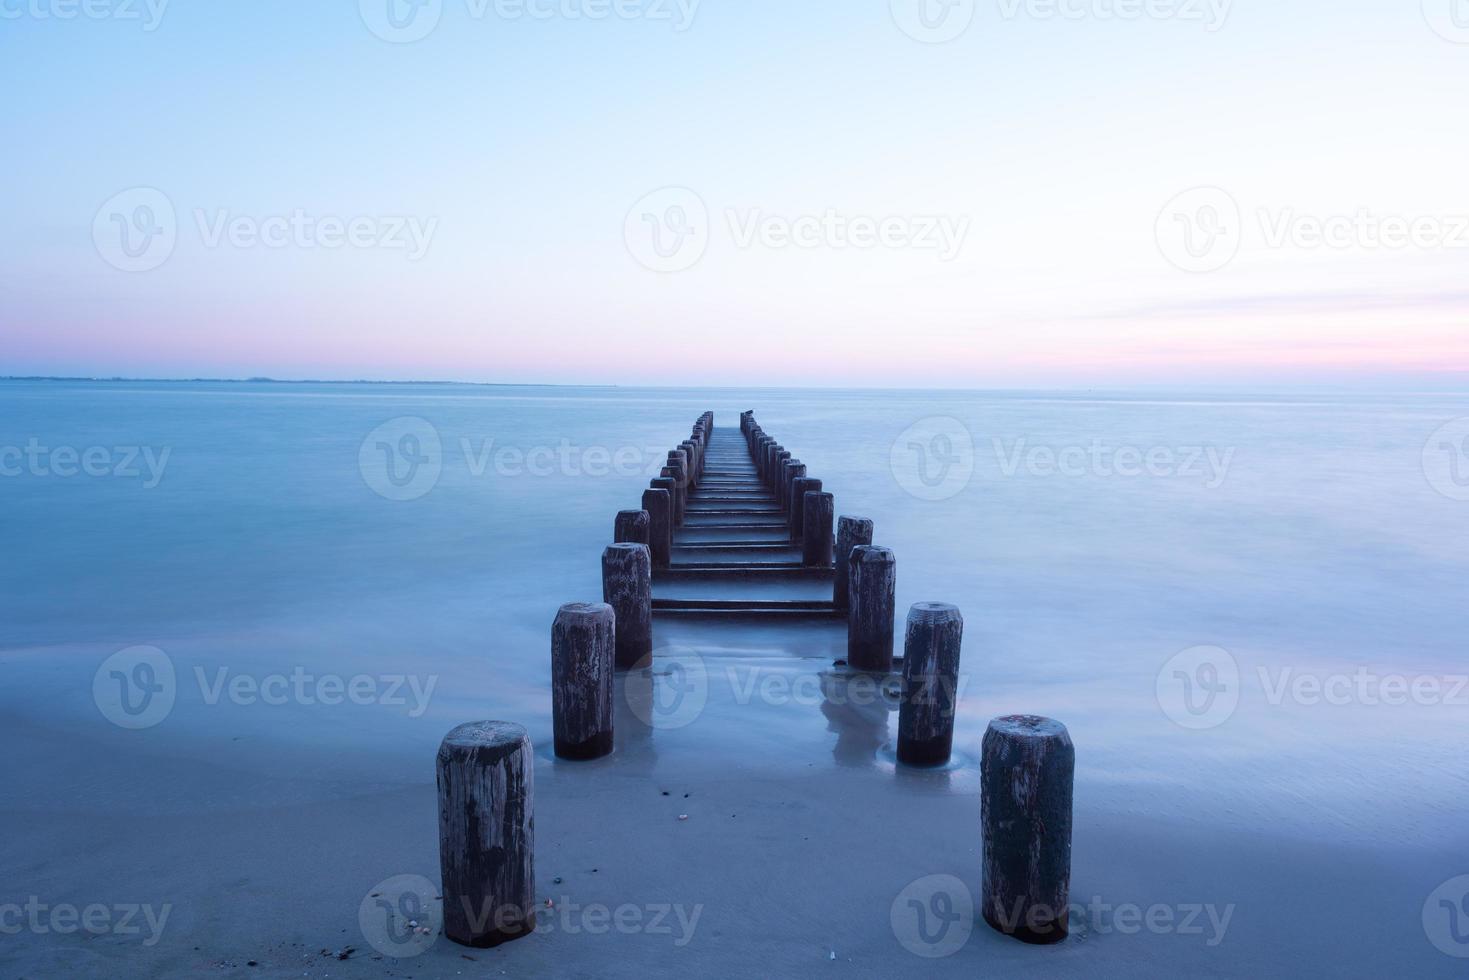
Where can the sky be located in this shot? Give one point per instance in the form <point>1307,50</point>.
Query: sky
<point>907,193</point>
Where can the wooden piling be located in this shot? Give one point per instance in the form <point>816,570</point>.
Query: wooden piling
<point>632,527</point>
<point>798,470</point>
<point>796,519</point>
<point>679,461</point>
<point>627,586</point>
<point>816,532</point>
<point>487,833</point>
<point>783,480</point>
<point>659,506</point>
<point>583,641</point>
<point>873,575</point>
<point>851,532</point>
<point>932,641</point>
<point>668,480</point>
<point>1026,771</point>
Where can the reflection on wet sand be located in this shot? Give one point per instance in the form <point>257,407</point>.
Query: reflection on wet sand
<point>857,707</point>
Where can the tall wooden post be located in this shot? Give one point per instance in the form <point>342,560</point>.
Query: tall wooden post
<point>874,575</point>
<point>851,532</point>
<point>583,639</point>
<point>801,486</point>
<point>486,773</point>
<point>1026,772</point>
<point>631,527</point>
<point>627,586</point>
<point>931,647</point>
<point>816,533</point>
<point>659,506</point>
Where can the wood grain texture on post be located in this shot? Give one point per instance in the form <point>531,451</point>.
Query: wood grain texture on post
<point>816,529</point>
<point>486,772</point>
<point>627,586</point>
<point>800,486</point>
<point>632,527</point>
<point>851,532</point>
<point>783,481</point>
<point>874,577</point>
<point>678,460</point>
<point>659,506</point>
<point>583,645</point>
<point>931,645</point>
<point>796,472</point>
<point>666,480</point>
<point>1026,771</point>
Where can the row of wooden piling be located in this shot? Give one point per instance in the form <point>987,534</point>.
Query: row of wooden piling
<point>485,770</point>
<point>1027,762</point>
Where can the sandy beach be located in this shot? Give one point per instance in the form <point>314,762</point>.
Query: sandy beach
<point>752,820</point>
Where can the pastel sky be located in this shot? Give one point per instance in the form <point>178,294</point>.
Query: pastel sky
<point>834,192</point>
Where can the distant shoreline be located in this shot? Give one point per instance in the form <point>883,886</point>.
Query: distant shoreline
<point>300,381</point>
<point>1450,384</point>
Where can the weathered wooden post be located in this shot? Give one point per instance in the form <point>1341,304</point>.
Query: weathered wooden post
<point>691,447</point>
<point>783,480</point>
<point>659,505</point>
<point>777,467</point>
<point>583,639</point>
<point>672,486</point>
<point>816,529</point>
<point>680,460</point>
<point>764,443</point>
<point>487,833</point>
<point>797,470</point>
<point>772,453</point>
<point>851,532</point>
<point>931,644</point>
<point>800,486</point>
<point>627,586</point>
<point>632,527</point>
<point>1026,772</point>
<point>874,576</point>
